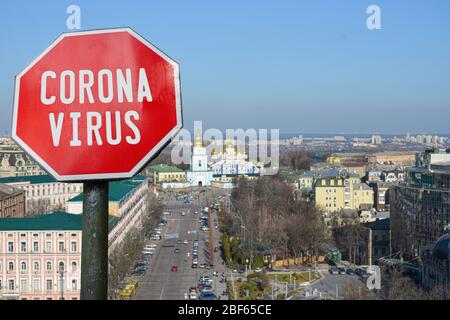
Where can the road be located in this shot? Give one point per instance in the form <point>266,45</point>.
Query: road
<point>160,283</point>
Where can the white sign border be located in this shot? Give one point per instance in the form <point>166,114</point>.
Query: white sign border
<point>100,176</point>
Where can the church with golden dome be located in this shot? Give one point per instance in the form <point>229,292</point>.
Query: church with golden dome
<point>199,174</point>
<point>222,168</point>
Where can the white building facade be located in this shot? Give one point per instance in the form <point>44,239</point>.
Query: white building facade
<point>40,257</point>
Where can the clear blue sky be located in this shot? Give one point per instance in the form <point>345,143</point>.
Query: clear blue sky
<point>300,66</point>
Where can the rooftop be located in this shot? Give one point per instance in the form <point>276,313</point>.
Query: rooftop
<point>59,221</point>
<point>118,190</point>
<point>160,168</point>
<point>28,179</point>
<point>53,221</point>
<point>6,191</point>
<point>382,224</point>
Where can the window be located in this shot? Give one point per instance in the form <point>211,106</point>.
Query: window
<point>10,266</point>
<point>74,266</point>
<point>11,284</point>
<point>23,285</point>
<point>61,246</point>
<point>48,246</point>
<point>61,266</point>
<point>49,266</point>
<point>23,266</point>
<point>10,246</point>
<point>35,246</point>
<point>73,246</point>
<point>36,266</point>
<point>49,285</point>
<point>23,246</point>
<point>74,284</point>
<point>37,284</point>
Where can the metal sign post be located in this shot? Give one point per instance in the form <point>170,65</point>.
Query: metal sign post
<point>94,251</point>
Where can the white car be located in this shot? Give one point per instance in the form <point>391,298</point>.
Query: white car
<point>185,241</point>
<point>192,295</point>
<point>258,270</point>
<point>183,213</point>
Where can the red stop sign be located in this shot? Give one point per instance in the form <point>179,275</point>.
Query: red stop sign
<point>97,105</point>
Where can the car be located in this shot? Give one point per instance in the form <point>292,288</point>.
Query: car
<point>195,261</point>
<point>241,270</point>
<point>342,270</point>
<point>350,271</point>
<point>183,213</point>
<point>152,245</point>
<point>333,270</point>
<point>174,269</point>
<point>234,271</point>
<point>258,270</point>
<point>176,250</point>
<point>206,288</point>
<point>193,295</point>
<point>204,278</point>
<point>203,266</point>
<point>194,266</point>
<point>207,296</point>
<point>185,241</point>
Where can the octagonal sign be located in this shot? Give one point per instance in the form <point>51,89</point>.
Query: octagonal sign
<point>97,105</point>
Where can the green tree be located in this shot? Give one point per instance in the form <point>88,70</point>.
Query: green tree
<point>226,248</point>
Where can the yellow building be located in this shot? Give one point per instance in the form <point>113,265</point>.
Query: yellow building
<point>342,191</point>
<point>165,173</point>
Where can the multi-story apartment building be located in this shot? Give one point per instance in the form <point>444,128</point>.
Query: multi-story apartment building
<point>12,202</point>
<point>15,163</point>
<point>339,190</point>
<point>43,190</point>
<point>127,206</point>
<point>420,207</point>
<point>40,257</point>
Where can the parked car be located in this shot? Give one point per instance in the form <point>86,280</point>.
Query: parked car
<point>174,269</point>
<point>207,296</point>
<point>241,270</point>
<point>258,270</point>
<point>177,250</point>
<point>192,295</point>
<point>342,270</point>
<point>350,271</point>
<point>194,266</point>
<point>185,241</point>
<point>334,270</point>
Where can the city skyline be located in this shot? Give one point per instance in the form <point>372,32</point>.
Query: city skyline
<point>294,66</point>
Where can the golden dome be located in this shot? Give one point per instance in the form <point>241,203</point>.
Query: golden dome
<point>198,140</point>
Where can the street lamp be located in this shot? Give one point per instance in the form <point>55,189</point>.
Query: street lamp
<point>246,265</point>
